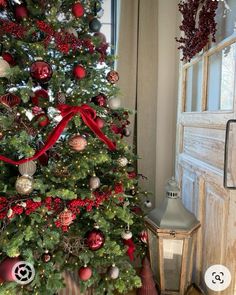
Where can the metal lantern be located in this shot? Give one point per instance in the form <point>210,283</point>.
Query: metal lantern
<point>172,238</point>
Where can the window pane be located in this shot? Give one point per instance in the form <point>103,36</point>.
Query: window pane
<point>221,79</point>
<point>225,20</point>
<point>106,30</point>
<point>194,88</point>
<point>106,18</point>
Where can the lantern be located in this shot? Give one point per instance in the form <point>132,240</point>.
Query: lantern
<point>172,239</point>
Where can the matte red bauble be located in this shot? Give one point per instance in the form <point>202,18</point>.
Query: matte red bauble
<point>78,9</point>
<point>41,71</point>
<point>79,72</point>
<point>9,58</point>
<point>85,273</point>
<point>10,100</point>
<point>94,239</point>
<point>66,217</point>
<point>39,98</point>
<point>113,77</point>
<point>100,122</point>
<point>6,268</point>
<point>100,100</point>
<point>21,12</point>
<point>42,120</point>
<point>77,143</point>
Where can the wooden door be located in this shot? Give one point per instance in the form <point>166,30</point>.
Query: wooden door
<point>207,101</point>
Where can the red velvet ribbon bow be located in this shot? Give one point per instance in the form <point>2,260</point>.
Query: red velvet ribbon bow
<point>67,112</point>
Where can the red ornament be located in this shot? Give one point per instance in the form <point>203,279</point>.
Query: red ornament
<point>112,77</point>
<point>79,72</point>
<point>10,100</point>
<point>9,58</point>
<point>94,239</point>
<point>6,268</point>
<point>43,159</point>
<point>100,100</point>
<point>78,9</point>
<point>85,273</point>
<point>3,3</point>
<point>41,71</point>
<point>100,122</point>
<point>39,97</point>
<point>66,217</point>
<point>46,257</point>
<point>21,12</point>
<point>77,143</point>
<point>144,236</point>
<point>42,120</point>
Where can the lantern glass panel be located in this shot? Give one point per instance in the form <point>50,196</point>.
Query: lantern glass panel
<point>154,251</point>
<point>172,252</point>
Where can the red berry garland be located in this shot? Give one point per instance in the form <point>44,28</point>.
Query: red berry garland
<point>196,33</point>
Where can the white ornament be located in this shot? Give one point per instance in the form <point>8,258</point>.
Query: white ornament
<point>94,182</point>
<point>122,161</point>
<point>148,204</point>
<point>4,68</point>
<point>114,103</point>
<point>126,235</point>
<point>114,272</point>
<point>100,12</point>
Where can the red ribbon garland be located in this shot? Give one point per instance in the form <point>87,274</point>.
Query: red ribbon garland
<point>67,112</point>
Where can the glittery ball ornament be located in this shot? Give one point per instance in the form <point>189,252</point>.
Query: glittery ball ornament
<point>85,273</point>
<point>24,185</point>
<point>77,143</point>
<point>66,217</point>
<point>41,71</point>
<point>94,239</point>
<point>114,272</point>
<point>122,162</point>
<point>112,77</point>
<point>4,68</point>
<point>28,168</point>
<point>94,182</point>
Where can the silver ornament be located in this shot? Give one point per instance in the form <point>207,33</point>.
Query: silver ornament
<point>94,182</point>
<point>126,235</point>
<point>122,162</point>
<point>148,204</point>
<point>114,103</point>
<point>4,68</point>
<point>114,272</point>
<point>28,168</point>
<point>24,185</point>
<point>100,12</point>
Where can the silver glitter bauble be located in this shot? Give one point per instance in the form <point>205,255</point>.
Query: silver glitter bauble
<point>24,185</point>
<point>94,182</point>
<point>28,168</point>
<point>122,162</point>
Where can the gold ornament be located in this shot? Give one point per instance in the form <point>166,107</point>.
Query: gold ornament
<point>77,143</point>
<point>24,185</point>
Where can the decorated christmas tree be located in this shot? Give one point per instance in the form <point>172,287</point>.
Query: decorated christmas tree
<point>68,186</point>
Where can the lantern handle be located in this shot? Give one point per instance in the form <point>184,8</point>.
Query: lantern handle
<point>226,152</point>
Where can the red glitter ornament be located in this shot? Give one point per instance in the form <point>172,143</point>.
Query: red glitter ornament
<point>100,100</point>
<point>42,120</point>
<point>94,239</point>
<point>9,58</point>
<point>10,100</point>
<point>79,72</point>
<point>41,71</point>
<point>39,98</point>
<point>66,217</point>
<point>112,77</point>
<point>21,12</point>
<point>100,122</point>
<point>77,9</point>
<point>85,273</point>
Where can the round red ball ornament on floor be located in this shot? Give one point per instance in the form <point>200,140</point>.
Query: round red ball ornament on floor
<point>79,72</point>
<point>41,71</point>
<point>21,12</point>
<point>77,9</point>
<point>6,267</point>
<point>85,273</point>
<point>95,239</point>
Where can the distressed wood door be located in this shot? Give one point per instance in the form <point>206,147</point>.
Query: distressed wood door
<point>207,100</point>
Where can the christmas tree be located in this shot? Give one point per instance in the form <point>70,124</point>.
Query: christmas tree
<point>68,187</point>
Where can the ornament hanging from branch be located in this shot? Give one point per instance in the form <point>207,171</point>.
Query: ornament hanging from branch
<point>198,25</point>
